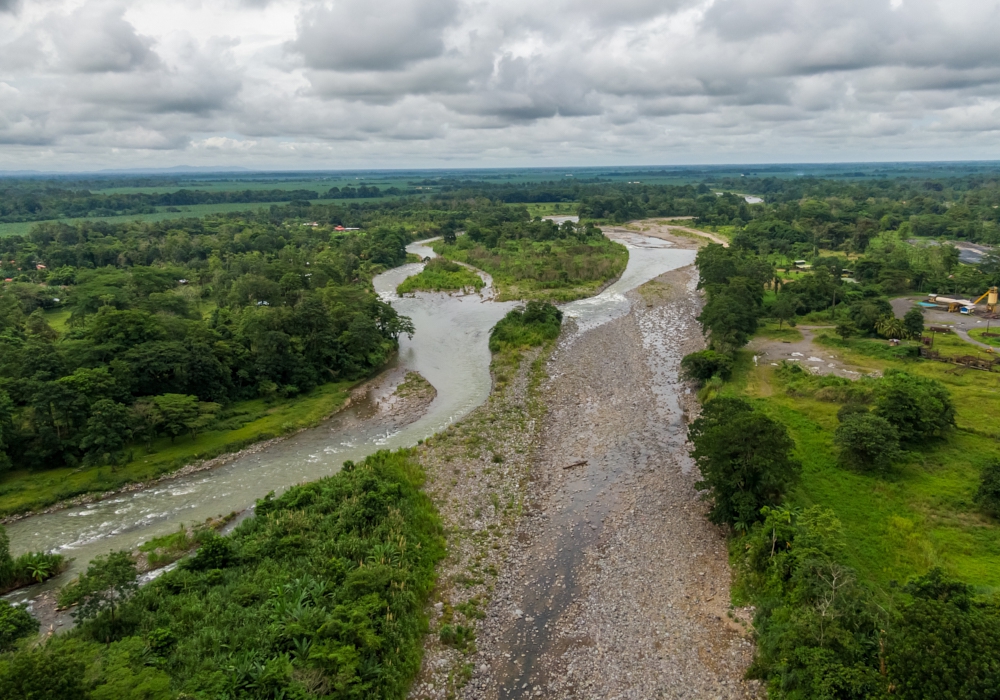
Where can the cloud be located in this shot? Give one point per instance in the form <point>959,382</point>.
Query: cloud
<point>360,35</point>
<point>99,40</point>
<point>424,82</point>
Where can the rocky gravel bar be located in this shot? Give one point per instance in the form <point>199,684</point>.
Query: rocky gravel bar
<point>608,581</point>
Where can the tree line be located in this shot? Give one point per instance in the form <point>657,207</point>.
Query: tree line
<point>822,631</point>
<point>40,204</point>
<point>177,322</point>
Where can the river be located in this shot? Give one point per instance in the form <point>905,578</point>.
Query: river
<point>449,348</point>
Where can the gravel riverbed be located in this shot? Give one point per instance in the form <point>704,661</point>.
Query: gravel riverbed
<point>612,583</point>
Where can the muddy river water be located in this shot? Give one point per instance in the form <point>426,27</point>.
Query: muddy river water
<point>449,348</point>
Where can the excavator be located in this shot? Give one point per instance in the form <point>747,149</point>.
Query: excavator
<point>991,303</point>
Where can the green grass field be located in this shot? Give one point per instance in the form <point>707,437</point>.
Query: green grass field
<point>771,331</point>
<point>551,208</point>
<point>922,514</point>
<point>978,334</point>
<point>320,185</point>
<point>253,421</point>
<point>186,212</point>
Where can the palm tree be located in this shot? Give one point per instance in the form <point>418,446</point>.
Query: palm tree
<point>891,327</point>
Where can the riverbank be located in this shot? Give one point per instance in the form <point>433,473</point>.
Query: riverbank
<point>38,492</point>
<point>580,561</point>
<point>24,493</point>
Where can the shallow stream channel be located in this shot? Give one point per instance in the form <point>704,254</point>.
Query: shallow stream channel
<point>449,348</point>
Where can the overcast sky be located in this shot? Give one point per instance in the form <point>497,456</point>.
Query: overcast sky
<point>445,83</point>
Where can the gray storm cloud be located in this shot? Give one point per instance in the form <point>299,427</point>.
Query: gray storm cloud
<point>401,82</point>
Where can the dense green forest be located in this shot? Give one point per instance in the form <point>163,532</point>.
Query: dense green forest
<point>168,322</point>
<point>798,213</point>
<point>819,477</point>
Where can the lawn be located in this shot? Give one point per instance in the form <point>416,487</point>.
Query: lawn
<point>242,424</point>
<point>922,514</point>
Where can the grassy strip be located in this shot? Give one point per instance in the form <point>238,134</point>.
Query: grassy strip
<point>557,271</point>
<point>23,228</point>
<point>922,514</point>
<point>440,275</point>
<point>244,423</point>
<point>979,334</point>
<point>770,330</point>
<point>320,595</point>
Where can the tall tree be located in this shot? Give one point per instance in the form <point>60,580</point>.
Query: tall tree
<point>745,460</point>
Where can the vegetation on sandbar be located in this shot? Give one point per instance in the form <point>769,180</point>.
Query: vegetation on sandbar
<point>536,259</point>
<point>441,275</point>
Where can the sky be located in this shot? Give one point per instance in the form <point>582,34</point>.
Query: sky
<point>319,84</point>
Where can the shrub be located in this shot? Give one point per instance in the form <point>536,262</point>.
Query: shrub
<point>537,323</point>
<point>440,274</point>
<point>913,322</point>
<point>215,553</point>
<point>918,407</point>
<point>945,645</point>
<point>705,364</point>
<point>817,628</point>
<point>42,674</point>
<point>845,329</point>
<point>867,441</point>
<point>988,493</point>
<point>745,460</point>
<point>851,409</point>
<point>15,623</point>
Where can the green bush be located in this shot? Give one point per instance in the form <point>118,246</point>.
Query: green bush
<point>913,322</point>
<point>29,568</point>
<point>817,628</point>
<point>867,441</point>
<point>214,553</point>
<point>918,407</point>
<point>745,460</point>
<point>851,409</point>
<point>440,274</point>
<point>15,623</point>
<point>322,593</point>
<point>946,645</point>
<point>703,365</point>
<point>988,493</point>
<point>535,324</point>
<point>38,674</point>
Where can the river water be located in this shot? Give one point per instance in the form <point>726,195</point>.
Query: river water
<point>449,348</point>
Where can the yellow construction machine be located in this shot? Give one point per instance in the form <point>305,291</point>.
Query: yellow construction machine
<point>991,303</point>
